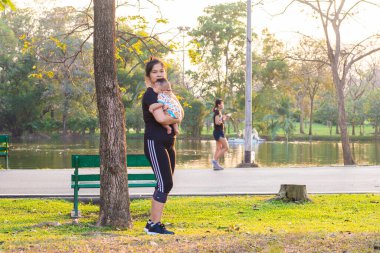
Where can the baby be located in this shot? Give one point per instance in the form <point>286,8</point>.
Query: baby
<point>168,101</point>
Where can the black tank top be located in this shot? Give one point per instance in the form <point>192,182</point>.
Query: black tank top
<point>153,129</point>
<point>217,127</point>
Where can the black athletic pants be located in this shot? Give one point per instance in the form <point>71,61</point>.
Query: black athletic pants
<point>161,155</point>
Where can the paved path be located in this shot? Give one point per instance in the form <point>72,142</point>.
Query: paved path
<point>56,182</point>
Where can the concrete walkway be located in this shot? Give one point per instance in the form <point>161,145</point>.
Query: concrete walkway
<point>56,182</point>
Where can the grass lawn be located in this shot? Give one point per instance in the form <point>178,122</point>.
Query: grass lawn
<point>331,223</point>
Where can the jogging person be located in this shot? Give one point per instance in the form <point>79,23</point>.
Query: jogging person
<point>158,146</point>
<point>221,141</point>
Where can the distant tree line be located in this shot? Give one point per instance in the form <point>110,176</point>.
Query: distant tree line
<point>47,76</point>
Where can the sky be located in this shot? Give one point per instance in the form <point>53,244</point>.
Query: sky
<point>185,13</point>
<point>284,26</point>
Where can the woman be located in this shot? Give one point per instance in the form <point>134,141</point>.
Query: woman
<point>158,146</point>
<point>221,141</point>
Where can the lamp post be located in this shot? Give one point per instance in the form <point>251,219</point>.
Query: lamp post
<point>183,29</point>
<point>248,91</point>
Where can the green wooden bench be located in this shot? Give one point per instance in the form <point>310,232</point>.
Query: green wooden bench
<point>4,148</point>
<point>79,181</point>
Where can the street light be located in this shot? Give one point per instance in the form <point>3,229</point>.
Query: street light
<point>248,91</point>
<point>183,29</point>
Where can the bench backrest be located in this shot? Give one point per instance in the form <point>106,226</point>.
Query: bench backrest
<point>93,161</point>
<point>4,144</point>
<point>4,138</point>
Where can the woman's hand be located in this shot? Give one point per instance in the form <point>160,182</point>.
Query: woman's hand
<point>227,116</point>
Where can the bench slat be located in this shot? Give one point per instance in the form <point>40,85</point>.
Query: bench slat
<point>130,184</point>
<point>137,160</point>
<point>141,177</point>
<point>92,161</point>
<point>85,161</point>
<point>86,177</point>
<point>96,177</point>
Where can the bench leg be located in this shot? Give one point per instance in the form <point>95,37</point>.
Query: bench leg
<point>75,212</point>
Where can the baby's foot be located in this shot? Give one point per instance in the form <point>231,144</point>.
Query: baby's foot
<point>169,130</point>
<point>176,132</point>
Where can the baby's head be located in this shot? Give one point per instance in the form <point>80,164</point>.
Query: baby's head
<point>164,85</point>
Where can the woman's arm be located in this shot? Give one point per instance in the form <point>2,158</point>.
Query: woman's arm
<point>226,117</point>
<point>164,119</point>
<point>154,107</point>
<point>218,120</point>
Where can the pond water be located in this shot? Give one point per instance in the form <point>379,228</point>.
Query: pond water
<point>56,154</point>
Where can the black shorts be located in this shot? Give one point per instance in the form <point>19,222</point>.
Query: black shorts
<point>218,135</point>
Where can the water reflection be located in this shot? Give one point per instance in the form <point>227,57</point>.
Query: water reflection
<point>196,154</point>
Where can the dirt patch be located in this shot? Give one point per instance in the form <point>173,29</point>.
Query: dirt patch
<point>239,242</point>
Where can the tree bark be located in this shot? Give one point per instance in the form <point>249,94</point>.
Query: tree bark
<point>114,195</point>
<point>329,124</point>
<point>337,128</point>
<point>300,97</point>
<point>292,193</point>
<point>353,122</point>
<point>347,155</point>
<point>65,111</point>
<point>311,116</point>
<point>302,131</point>
<point>52,114</point>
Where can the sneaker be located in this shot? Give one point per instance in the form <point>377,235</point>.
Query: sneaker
<point>158,228</point>
<point>148,225</point>
<point>217,166</point>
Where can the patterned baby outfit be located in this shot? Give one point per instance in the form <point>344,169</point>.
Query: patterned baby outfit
<point>175,108</point>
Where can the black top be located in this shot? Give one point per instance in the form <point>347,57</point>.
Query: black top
<point>153,129</point>
<point>220,127</point>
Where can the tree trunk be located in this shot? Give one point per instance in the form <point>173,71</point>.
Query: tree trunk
<point>65,112</point>
<point>353,122</point>
<point>226,79</point>
<point>302,131</point>
<point>347,156</point>
<point>300,97</point>
<point>66,97</point>
<point>337,128</point>
<point>329,125</point>
<point>311,116</point>
<point>292,193</point>
<point>114,196</point>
